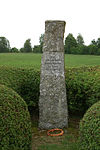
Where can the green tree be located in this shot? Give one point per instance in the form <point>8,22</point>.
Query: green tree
<point>98,51</point>
<point>27,46</point>
<point>70,42</point>
<point>36,49</point>
<point>80,40</point>
<point>41,40</point>
<point>22,50</point>
<point>94,42</point>
<point>84,50</point>
<point>4,45</point>
<point>93,49</point>
<point>14,50</point>
<point>75,50</point>
<point>98,42</point>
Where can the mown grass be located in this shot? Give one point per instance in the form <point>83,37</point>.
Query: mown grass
<point>81,60</point>
<point>68,141</point>
<point>34,60</point>
<point>21,60</point>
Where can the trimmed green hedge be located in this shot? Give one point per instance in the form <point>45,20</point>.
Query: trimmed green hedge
<point>90,129</point>
<point>25,81</point>
<point>82,84</point>
<point>83,88</point>
<point>15,124</point>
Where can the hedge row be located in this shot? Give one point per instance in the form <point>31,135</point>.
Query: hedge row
<point>25,81</point>
<point>15,124</point>
<point>83,87</point>
<point>90,129</point>
<point>82,84</point>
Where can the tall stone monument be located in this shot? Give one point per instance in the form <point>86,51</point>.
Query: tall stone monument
<point>52,102</point>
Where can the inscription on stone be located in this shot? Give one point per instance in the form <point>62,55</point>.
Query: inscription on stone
<point>52,102</point>
<point>52,63</point>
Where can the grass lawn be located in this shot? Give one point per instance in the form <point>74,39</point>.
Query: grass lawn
<point>34,60</point>
<point>81,60</point>
<point>68,141</point>
<point>20,60</point>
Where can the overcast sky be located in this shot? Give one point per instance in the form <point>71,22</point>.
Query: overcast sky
<point>23,19</point>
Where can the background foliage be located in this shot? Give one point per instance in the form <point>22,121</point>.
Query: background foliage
<point>24,81</point>
<point>4,45</point>
<point>72,45</point>
<point>77,46</point>
<point>82,84</point>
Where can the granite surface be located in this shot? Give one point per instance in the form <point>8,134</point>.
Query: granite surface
<point>53,111</point>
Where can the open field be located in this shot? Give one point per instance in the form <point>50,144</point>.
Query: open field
<point>34,60</point>
<point>21,60</point>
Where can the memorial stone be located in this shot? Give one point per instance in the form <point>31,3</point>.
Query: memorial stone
<point>52,101</point>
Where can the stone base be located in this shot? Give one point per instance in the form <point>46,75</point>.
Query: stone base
<point>48,126</point>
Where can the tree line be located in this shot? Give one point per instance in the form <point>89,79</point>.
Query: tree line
<point>77,46</point>
<point>27,47</point>
<point>72,45</point>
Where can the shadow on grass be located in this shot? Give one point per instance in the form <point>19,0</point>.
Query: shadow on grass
<point>66,144</point>
<point>69,140</point>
